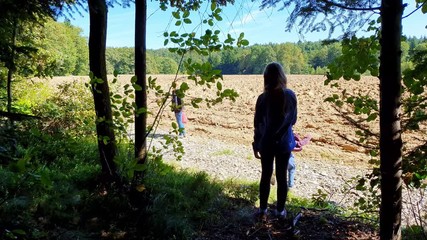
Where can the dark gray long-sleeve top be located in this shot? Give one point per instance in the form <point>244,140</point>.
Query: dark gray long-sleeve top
<point>270,121</point>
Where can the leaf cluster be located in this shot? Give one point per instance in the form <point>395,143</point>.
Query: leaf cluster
<point>315,16</point>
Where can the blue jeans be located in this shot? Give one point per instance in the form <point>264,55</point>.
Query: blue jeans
<point>178,116</point>
<point>291,170</point>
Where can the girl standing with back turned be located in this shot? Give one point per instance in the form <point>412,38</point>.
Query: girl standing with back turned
<point>275,115</point>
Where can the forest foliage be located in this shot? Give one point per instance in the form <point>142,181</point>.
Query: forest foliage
<point>297,58</point>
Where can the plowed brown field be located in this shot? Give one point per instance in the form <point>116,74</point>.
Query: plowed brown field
<point>233,121</point>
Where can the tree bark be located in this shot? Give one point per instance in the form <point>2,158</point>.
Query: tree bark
<point>390,129</point>
<point>101,93</point>
<point>11,67</point>
<point>140,72</point>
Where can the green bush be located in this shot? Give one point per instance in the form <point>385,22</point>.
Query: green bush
<point>37,195</point>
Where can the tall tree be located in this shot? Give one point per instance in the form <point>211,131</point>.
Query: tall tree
<point>141,86</point>
<point>390,130</point>
<point>100,89</point>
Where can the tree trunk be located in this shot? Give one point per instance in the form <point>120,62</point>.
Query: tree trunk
<point>140,72</point>
<point>390,130</point>
<point>11,68</point>
<point>101,93</point>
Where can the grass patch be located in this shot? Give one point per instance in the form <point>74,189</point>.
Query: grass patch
<point>225,152</point>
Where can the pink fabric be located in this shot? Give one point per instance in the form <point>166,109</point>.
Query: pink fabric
<point>184,117</point>
<point>301,142</point>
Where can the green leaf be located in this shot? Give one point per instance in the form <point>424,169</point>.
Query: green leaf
<point>133,79</point>
<point>178,23</point>
<point>218,17</point>
<point>141,110</point>
<point>176,15</point>
<point>187,21</point>
<point>213,6</point>
<point>186,14</point>
<point>372,117</point>
<point>329,99</point>
<point>244,42</point>
<point>184,87</point>
<point>137,87</point>
<point>373,153</point>
<point>219,86</point>
<point>241,36</point>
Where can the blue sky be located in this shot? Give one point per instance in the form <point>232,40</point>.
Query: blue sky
<point>259,26</point>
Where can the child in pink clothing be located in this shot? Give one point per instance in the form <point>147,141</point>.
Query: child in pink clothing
<point>291,165</point>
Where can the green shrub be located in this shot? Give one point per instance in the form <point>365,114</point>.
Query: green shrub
<point>414,232</point>
<point>68,111</point>
<point>241,191</point>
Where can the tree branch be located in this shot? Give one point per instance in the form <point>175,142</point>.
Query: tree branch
<point>416,9</point>
<point>17,116</point>
<point>350,8</point>
<point>356,124</point>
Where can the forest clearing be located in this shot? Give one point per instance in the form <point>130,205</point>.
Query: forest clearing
<point>226,130</point>
<point>232,122</point>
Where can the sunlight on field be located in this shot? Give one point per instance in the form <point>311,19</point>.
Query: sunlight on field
<point>233,121</point>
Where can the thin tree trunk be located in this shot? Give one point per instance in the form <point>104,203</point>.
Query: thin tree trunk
<point>11,69</point>
<point>101,93</point>
<point>390,129</point>
<point>140,72</point>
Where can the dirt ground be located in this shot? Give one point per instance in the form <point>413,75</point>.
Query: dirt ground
<point>233,121</point>
<point>333,135</point>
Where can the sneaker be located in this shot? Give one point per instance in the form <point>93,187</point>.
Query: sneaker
<point>261,215</point>
<point>281,215</point>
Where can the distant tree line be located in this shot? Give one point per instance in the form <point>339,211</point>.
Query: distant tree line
<point>63,51</point>
<point>297,58</point>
